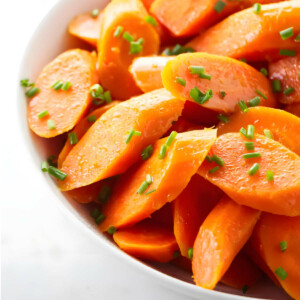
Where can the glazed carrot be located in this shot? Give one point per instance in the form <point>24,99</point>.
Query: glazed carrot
<point>287,71</point>
<point>284,127</point>
<point>146,72</point>
<point>147,241</point>
<point>294,109</point>
<point>147,3</point>
<point>86,27</point>
<point>191,208</point>
<point>280,195</point>
<point>257,38</point>
<point>238,80</point>
<point>222,235</point>
<point>81,128</point>
<point>127,206</point>
<point>183,125</point>
<point>277,240</point>
<point>103,152</point>
<point>116,51</point>
<point>65,108</point>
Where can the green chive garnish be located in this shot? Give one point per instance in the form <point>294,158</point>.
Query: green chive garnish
<point>111,230</point>
<point>118,31</point>
<point>176,254</point>
<point>254,102</point>
<point>177,49</point>
<point>151,20</point>
<point>190,253</point>
<point>223,94</point>
<point>297,38</point>
<point>257,8</point>
<point>199,97</point>
<point>219,6</point>
<point>73,139</point>
<point>243,60</point>
<point>252,171</point>
<point>96,91</point>
<point>245,289</point>
<point>196,69</point>
<point>131,133</point>
<point>135,47</point>
<point>66,86</point>
<point>251,155</point>
<point>249,145</point>
<point>128,37</point>
<point>287,33</point>
<point>218,160</point>
<point>286,52</point>
<point>95,13</point>
<point>243,131</point>
<point>149,179</point>
<point>213,170</point>
<point>60,175</point>
<point>268,133</point>
<point>276,85</point>
<point>289,90</point>
<point>208,158</point>
<point>95,213</point>
<point>281,273</point>
<point>264,71</point>
<point>180,81</point>
<point>57,85</point>
<point>99,219</point>
<point>51,161</point>
<point>243,106</point>
<point>147,152</point>
<point>143,188</point>
<point>205,76</point>
<point>107,96</point>
<point>223,118</point>
<point>43,114</point>
<point>51,124</point>
<point>162,152</point>
<point>44,166</point>
<point>260,94</point>
<point>270,175</point>
<point>152,191</point>
<point>283,245</point>
<point>25,82</point>
<point>250,132</point>
<point>32,92</point>
<point>104,194</point>
<point>92,118</point>
<point>171,138</point>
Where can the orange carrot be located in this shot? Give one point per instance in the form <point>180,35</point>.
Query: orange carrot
<point>256,36</point>
<point>277,240</point>
<point>81,128</point>
<point>116,52</point>
<point>103,152</point>
<point>147,241</point>
<point>294,109</point>
<point>237,79</point>
<point>146,71</point>
<point>86,27</point>
<point>280,195</point>
<point>284,126</point>
<point>127,206</point>
<point>183,125</point>
<point>222,235</point>
<point>190,209</point>
<point>287,71</point>
<point>65,108</point>
<point>147,3</point>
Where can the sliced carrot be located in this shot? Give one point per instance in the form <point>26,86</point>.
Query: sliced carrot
<point>65,108</point>
<point>284,126</point>
<point>103,152</point>
<point>271,235</point>
<point>183,125</point>
<point>256,36</point>
<point>146,71</point>
<point>184,156</point>
<point>191,208</point>
<point>147,241</point>
<point>86,27</point>
<point>294,109</point>
<point>237,79</point>
<point>286,70</point>
<point>114,51</point>
<point>147,3</point>
<point>222,235</point>
<point>280,196</point>
<point>81,128</point>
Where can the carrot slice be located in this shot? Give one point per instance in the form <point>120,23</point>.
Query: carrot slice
<point>103,152</point>
<point>280,196</point>
<point>284,126</point>
<point>86,27</point>
<point>287,71</point>
<point>256,36</point>
<point>147,3</point>
<point>184,156</point>
<point>191,208</point>
<point>76,66</point>
<point>222,235</point>
<point>270,236</point>
<point>294,109</point>
<point>114,51</point>
<point>81,128</point>
<point>146,72</point>
<point>147,241</point>
<point>237,79</point>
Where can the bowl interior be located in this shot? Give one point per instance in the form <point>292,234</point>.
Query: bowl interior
<point>49,40</point>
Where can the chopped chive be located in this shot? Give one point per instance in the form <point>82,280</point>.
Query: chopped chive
<point>135,47</point>
<point>218,160</point>
<point>297,38</point>
<point>208,158</point>
<point>95,213</point>
<point>283,245</point>
<point>32,92</point>
<point>66,86</point>
<point>249,145</point>
<point>131,133</point>
<point>223,118</point>
<point>51,160</point>
<point>111,230</point>
<point>268,133</point>
<point>57,173</point>
<point>43,114</point>
<point>127,36</point>
<point>162,152</point>
<point>250,132</point>
<point>176,254</point>
<point>99,219</point>
<point>264,71</point>
<point>252,171</point>
<point>195,93</point>
<point>251,155</point>
<point>254,102</point>
<point>107,96</point>
<point>44,166</point>
<point>199,97</point>
<point>205,76</point>
<point>270,175</point>
<point>219,6</point>
<point>213,170</point>
<point>151,20</point>
<point>98,102</point>
<point>171,138</point>
<point>196,69</point>
<point>25,82</point>
<point>73,139</point>
<point>276,85</point>
<point>180,81</point>
<point>150,192</point>
<point>287,33</point>
<point>261,94</point>
<point>286,52</point>
<point>243,106</point>
<point>243,131</point>
<point>92,118</point>
<point>149,179</point>
<point>118,31</point>
<point>57,85</point>
<point>281,273</point>
<point>51,124</point>
<point>223,94</point>
<point>147,152</point>
<point>288,91</point>
<point>96,91</point>
<point>245,289</point>
<point>104,194</point>
<point>95,13</point>
<point>257,8</point>
<point>190,253</point>
<point>143,187</point>
<point>243,60</point>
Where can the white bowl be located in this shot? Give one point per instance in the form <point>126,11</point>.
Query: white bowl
<point>49,40</point>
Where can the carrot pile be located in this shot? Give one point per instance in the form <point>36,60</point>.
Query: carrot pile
<point>181,133</point>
